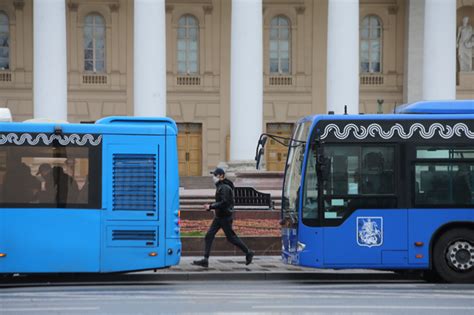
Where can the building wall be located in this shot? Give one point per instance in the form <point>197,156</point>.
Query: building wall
<point>205,98</point>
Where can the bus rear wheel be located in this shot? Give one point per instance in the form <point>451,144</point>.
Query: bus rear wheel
<point>453,256</point>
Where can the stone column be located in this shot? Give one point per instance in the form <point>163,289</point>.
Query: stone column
<point>300,40</point>
<point>20,39</point>
<point>413,79</point>
<point>246,95</point>
<point>50,59</point>
<point>149,58</point>
<point>439,54</point>
<point>343,56</point>
<point>115,73</point>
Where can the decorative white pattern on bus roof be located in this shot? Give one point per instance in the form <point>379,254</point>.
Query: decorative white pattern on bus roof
<point>361,132</point>
<point>13,138</point>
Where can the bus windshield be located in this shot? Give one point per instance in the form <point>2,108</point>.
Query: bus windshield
<point>294,166</point>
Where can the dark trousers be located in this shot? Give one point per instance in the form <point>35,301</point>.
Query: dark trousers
<point>226,225</point>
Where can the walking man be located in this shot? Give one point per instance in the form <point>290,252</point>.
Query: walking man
<point>223,218</point>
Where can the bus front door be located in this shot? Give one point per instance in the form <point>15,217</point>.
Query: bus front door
<point>134,199</point>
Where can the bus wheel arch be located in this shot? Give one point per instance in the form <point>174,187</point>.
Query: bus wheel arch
<point>452,252</point>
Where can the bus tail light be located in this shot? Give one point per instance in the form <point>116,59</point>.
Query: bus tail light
<point>300,247</point>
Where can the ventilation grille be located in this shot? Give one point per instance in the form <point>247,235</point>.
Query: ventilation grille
<point>134,182</point>
<point>134,235</point>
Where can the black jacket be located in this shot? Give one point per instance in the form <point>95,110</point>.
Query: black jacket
<point>224,204</point>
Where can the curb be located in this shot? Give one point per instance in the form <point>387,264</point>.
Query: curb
<point>160,277</point>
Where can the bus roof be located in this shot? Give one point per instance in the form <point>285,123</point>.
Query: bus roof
<point>107,125</point>
<point>425,108</point>
<point>437,107</point>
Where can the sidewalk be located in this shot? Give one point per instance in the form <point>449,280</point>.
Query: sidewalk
<point>262,268</point>
<point>221,268</point>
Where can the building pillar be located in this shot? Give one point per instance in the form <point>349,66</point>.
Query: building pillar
<point>149,58</point>
<point>439,53</point>
<point>413,79</point>
<point>246,95</point>
<point>343,56</point>
<point>50,59</point>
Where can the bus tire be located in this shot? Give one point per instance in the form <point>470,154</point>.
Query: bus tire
<point>453,256</point>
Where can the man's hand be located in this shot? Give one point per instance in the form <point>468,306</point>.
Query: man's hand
<point>207,207</point>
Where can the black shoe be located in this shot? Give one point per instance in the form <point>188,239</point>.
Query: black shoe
<point>203,263</point>
<point>249,257</point>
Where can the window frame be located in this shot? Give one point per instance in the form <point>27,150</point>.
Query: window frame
<point>369,40</point>
<point>322,196</point>
<point>279,40</point>
<point>187,43</point>
<point>439,161</point>
<point>95,38</point>
<point>94,171</point>
<point>8,46</point>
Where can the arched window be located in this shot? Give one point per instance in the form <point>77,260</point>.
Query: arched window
<point>371,45</point>
<point>280,37</point>
<point>94,43</point>
<point>4,42</point>
<point>188,45</point>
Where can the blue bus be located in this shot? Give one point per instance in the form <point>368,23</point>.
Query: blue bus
<point>86,198</point>
<point>393,191</point>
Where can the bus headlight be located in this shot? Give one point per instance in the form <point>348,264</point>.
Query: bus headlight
<point>300,247</point>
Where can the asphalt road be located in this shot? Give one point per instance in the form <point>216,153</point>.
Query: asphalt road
<point>255,297</point>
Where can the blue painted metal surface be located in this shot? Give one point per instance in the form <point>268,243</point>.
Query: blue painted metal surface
<point>338,247</point>
<point>42,240</point>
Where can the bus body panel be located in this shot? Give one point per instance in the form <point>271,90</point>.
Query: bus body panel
<point>423,224</point>
<point>172,227</point>
<point>135,234</point>
<point>343,245</point>
<point>50,240</point>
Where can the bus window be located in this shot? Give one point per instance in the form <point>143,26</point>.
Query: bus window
<point>361,177</point>
<point>310,192</point>
<point>49,177</point>
<point>291,190</point>
<point>443,185</point>
<point>444,177</point>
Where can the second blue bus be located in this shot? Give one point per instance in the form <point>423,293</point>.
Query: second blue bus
<point>391,192</point>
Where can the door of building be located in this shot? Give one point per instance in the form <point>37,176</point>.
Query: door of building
<point>275,152</point>
<point>190,149</point>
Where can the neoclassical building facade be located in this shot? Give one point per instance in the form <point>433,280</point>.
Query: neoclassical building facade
<point>227,70</point>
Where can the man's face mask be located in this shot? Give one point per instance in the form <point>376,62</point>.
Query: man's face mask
<point>215,179</point>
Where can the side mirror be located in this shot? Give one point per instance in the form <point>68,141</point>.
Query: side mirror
<point>259,156</point>
<point>323,167</point>
<point>260,149</point>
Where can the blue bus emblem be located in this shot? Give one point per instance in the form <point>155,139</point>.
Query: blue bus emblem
<point>369,231</point>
